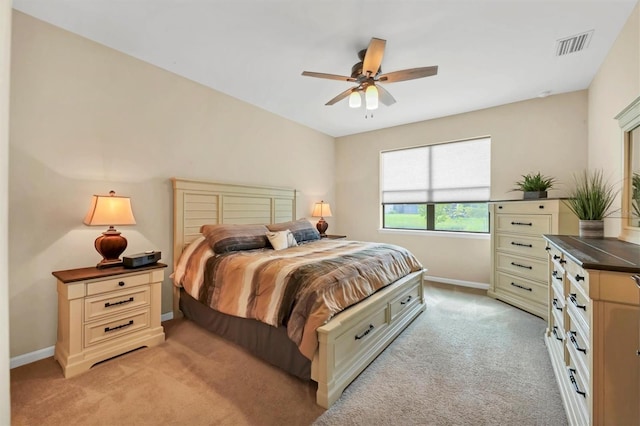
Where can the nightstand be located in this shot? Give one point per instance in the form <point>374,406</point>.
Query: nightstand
<point>103,313</point>
<point>335,237</point>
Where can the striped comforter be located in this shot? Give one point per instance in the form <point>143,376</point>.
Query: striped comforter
<point>301,287</point>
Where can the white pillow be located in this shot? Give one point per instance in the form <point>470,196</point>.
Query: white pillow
<point>282,239</point>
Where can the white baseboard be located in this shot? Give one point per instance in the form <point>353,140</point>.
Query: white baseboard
<point>472,284</point>
<point>34,356</point>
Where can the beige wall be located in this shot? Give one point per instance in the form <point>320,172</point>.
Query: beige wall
<point>86,119</point>
<point>5,50</point>
<point>547,135</point>
<point>615,86</point>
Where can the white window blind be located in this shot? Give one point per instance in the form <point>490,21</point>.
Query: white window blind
<point>449,172</point>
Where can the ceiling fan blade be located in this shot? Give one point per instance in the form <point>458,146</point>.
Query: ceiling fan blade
<point>373,57</point>
<point>327,76</point>
<point>384,96</point>
<point>340,97</point>
<point>408,74</point>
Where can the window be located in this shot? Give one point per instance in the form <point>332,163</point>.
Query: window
<point>443,187</point>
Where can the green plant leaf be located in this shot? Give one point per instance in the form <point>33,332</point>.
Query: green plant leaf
<point>592,196</point>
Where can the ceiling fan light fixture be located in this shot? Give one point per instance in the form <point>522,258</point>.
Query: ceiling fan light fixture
<point>371,97</point>
<point>355,100</point>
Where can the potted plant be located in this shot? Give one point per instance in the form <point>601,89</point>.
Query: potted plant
<point>591,200</point>
<point>534,185</point>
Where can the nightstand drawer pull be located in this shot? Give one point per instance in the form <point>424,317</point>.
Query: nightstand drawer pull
<point>572,337</point>
<point>521,266</point>
<point>555,333</point>
<point>575,383</point>
<point>521,245</point>
<point>521,286</point>
<point>118,327</point>
<point>364,333</point>
<point>574,300</point>
<point>555,304</point>
<point>121,302</point>
<point>522,223</point>
<point>121,283</point>
<point>407,300</point>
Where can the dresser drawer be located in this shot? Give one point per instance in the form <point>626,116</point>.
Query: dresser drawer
<point>578,348</point>
<point>115,302</point>
<point>523,224</point>
<point>534,269</point>
<point>119,283</point>
<point>359,338</point>
<point>578,394</point>
<point>100,331</point>
<point>523,288</point>
<point>578,307</point>
<point>577,275</point>
<point>558,306</point>
<point>521,245</point>
<point>400,304</point>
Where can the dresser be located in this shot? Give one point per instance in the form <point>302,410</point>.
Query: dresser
<point>103,313</point>
<point>593,328</point>
<point>519,274</point>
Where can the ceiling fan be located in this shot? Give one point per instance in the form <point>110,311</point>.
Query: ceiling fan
<point>367,74</point>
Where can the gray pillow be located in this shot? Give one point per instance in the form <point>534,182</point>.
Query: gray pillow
<point>224,238</point>
<point>302,229</point>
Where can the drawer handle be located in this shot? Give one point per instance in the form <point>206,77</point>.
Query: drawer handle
<point>521,286</point>
<point>557,275</point>
<point>522,223</point>
<point>364,333</point>
<point>121,283</point>
<point>521,266</point>
<point>407,300</point>
<point>121,302</point>
<point>575,383</point>
<point>555,333</point>
<point>556,257</point>
<point>521,245</point>
<point>636,278</point>
<point>547,248</point>
<point>579,277</point>
<point>555,304</point>
<point>572,337</point>
<point>574,300</point>
<point>562,261</point>
<point>118,327</point>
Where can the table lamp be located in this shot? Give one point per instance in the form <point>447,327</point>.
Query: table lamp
<point>321,210</point>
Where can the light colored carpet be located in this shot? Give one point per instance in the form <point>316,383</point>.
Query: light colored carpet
<point>467,360</point>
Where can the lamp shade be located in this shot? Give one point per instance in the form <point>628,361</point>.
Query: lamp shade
<point>355,100</point>
<point>371,97</point>
<point>321,209</point>
<point>109,210</point>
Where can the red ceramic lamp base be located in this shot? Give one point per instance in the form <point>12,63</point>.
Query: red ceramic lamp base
<point>110,245</point>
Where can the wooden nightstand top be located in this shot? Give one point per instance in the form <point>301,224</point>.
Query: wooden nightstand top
<point>89,273</point>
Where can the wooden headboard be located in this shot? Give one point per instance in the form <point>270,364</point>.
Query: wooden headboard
<point>196,203</point>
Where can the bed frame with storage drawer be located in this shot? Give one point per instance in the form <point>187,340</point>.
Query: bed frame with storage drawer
<point>351,340</point>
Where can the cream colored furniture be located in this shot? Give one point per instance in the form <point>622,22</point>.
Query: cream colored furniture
<point>351,340</point>
<point>103,313</point>
<point>518,257</point>
<point>593,332</point>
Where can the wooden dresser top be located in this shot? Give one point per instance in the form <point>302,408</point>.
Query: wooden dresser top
<point>607,254</point>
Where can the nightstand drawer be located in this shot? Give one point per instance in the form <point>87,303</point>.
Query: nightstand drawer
<point>118,283</point>
<point>116,302</point>
<point>98,332</point>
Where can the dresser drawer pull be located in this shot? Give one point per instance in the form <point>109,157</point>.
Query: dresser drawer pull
<point>513,243</point>
<point>574,300</point>
<point>572,337</point>
<point>562,261</point>
<point>636,278</point>
<point>556,257</point>
<point>121,283</point>
<point>118,327</point>
<point>121,302</point>
<point>579,277</point>
<point>575,383</point>
<point>364,333</point>
<point>555,304</point>
<point>521,266</point>
<point>408,299</point>
<point>521,286</point>
<point>557,275</point>
<point>547,248</point>
<point>522,223</point>
<point>555,333</point>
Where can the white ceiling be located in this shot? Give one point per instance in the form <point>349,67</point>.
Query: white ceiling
<point>489,52</point>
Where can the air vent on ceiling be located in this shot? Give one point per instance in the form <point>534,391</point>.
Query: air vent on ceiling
<point>573,44</point>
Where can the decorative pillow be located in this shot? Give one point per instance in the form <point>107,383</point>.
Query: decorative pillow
<point>225,238</point>
<point>302,230</point>
<point>282,239</point>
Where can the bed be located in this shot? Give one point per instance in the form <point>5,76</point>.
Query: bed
<point>330,352</point>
